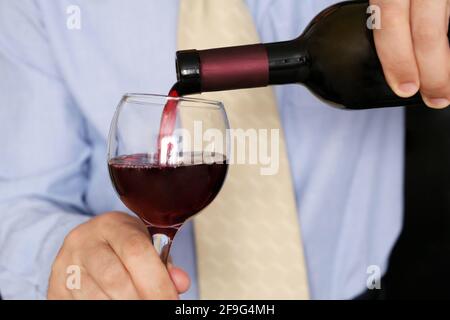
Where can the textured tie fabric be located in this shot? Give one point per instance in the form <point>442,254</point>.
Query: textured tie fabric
<point>248,240</point>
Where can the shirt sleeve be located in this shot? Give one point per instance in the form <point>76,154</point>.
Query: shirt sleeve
<point>44,154</point>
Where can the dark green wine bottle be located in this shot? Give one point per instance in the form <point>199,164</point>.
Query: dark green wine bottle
<point>335,58</point>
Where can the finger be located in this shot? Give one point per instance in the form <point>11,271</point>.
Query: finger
<point>109,273</point>
<point>65,283</point>
<point>57,289</point>
<point>429,21</point>
<point>88,290</point>
<point>395,47</point>
<point>132,245</point>
<point>180,278</point>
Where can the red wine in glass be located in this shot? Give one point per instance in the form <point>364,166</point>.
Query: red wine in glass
<point>165,196</point>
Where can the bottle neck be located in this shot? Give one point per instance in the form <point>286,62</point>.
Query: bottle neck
<point>241,67</point>
<point>288,62</point>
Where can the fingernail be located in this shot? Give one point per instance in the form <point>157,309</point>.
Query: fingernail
<point>408,89</point>
<point>437,103</point>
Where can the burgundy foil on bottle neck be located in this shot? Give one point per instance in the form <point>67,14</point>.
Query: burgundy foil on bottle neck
<point>234,68</point>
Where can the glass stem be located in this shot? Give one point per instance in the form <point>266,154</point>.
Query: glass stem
<point>162,244</point>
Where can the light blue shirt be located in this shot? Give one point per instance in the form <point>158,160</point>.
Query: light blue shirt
<point>58,92</point>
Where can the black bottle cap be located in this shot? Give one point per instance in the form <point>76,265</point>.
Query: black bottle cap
<point>188,71</point>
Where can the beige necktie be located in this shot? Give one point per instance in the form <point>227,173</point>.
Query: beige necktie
<point>248,240</point>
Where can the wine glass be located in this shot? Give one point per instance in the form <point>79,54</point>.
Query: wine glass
<point>167,159</point>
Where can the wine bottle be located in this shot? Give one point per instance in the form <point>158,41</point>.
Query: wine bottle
<point>335,58</point>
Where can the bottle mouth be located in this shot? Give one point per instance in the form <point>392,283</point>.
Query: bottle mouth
<point>187,66</point>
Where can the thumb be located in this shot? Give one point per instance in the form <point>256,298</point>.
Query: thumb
<point>179,277</point>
